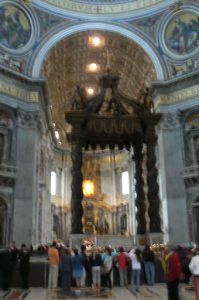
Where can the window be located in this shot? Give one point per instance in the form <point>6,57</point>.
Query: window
<point>125,183</point>
<point>53,183</point>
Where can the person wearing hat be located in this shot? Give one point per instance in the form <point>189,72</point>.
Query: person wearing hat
<point>194,268</point>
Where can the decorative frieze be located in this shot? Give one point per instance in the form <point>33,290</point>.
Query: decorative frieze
<point>170,98</point>
<point>18,92</point>
<point>111,7</point>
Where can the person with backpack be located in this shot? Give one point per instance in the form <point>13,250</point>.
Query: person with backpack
<point>149,266</point>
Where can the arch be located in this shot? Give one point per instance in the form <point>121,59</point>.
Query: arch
<point>123,223</point>
<point>47,45</point>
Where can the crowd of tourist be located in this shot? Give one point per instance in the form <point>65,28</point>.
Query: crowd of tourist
<point>95,267</point>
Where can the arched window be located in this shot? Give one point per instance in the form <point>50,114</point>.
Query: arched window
<point>125,183</point>
<point>123,222</point>
<point>53,183</point>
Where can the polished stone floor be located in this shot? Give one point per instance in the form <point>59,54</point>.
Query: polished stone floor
<point>156,292</point>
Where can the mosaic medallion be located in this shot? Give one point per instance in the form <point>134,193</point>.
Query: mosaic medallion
<point>15,27</point>
<point>181,34</point>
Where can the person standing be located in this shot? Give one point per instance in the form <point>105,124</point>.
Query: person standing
<point>87,277</point>
<point>107,267</point>
<point>149,266</point>
<point>96,262</point>
<point>122,266</point>
<point>194,268</point>
<point>136,258</point>
<point>5,268</point>
<point>24,265</point>
<point>173,274</point>
<point>53,256</point>
<point>66,270</point>
<point>77,266</point>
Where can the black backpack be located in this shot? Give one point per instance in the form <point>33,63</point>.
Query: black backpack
<point>148,255</point>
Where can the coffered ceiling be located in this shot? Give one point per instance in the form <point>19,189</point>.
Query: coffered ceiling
<point>67,64</point>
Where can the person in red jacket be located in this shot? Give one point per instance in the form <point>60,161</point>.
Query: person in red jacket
<point>122,266</point>
<point>173,274</point>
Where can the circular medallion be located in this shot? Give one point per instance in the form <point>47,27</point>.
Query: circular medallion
<point>15,28</point>
<point>181,34</point>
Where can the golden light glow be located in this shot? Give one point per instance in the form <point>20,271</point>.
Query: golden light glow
<point>93,67</point>
<point>96,41</point>
<point>57,134</point>
<point>90,91</point>
<point>88,188</point>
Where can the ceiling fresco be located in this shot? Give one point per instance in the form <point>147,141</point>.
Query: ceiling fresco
<point>75,61</point>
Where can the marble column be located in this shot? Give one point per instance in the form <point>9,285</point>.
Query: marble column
<point>173,191</point>
<point>152,175</point>
<point>139,188</point>
<point>26,186</point>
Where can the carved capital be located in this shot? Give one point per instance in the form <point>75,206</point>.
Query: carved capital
<point>28,119</point>
<point>170,121</point>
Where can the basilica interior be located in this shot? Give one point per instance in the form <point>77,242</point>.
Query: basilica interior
<point>99,121</point>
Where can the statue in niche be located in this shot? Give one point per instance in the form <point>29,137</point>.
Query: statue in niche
<point>101,225</point>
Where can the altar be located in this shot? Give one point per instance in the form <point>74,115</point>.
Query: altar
<point>92,240</point>
<point>122,123</point>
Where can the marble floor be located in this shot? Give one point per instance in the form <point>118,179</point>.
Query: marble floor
<point>156,292</point>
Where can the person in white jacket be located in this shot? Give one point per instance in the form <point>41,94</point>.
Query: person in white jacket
<point>194,268</point>
<point>136,258</point>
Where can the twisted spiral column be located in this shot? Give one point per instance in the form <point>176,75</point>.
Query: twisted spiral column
<point>76,188</point>
<point>153,187</point>
<point>76,119</point>
<point>139,187</point>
